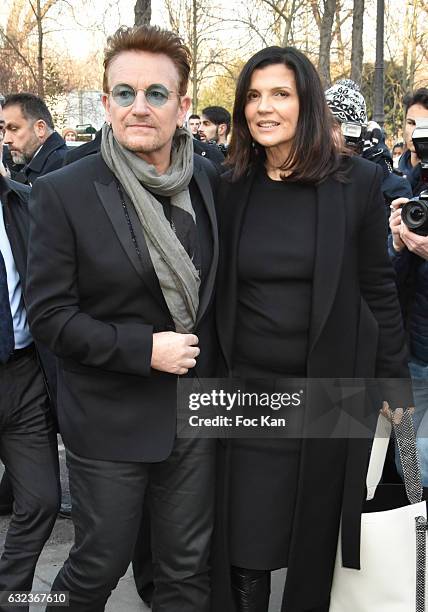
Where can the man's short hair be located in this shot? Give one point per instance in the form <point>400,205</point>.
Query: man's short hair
<point>154,40</point>
<point>193,117</point>
<point>32,107</point>
<point>218,115</point>
<point>419,96</point>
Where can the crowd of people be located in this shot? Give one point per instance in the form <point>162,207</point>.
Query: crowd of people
<point>177,246</point>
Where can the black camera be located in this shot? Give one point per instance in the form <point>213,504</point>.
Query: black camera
<point>414,214</point>
<point>222,147</point>
<point>420,141</point>
<point>354,134</point>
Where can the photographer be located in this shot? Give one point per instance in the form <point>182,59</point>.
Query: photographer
<point>408,247</point>
<point>215,127</point>
<point>416,107</point>
<point>364,138</point>
<point>397,152</point>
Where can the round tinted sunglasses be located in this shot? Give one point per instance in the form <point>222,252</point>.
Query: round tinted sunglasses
<point>156,94</point>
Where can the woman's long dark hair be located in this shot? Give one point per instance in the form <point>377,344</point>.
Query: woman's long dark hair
<point>313,155</point>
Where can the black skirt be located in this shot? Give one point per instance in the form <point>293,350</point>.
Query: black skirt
<point>263,485</point>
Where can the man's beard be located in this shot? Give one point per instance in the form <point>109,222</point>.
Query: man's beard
<point>152,146</point>
<point>32,146</point>
<point>29,155</point>
<point>18,158</point>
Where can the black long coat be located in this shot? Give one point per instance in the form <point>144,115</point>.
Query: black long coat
<point>355,331</point>
<point>96,304</point>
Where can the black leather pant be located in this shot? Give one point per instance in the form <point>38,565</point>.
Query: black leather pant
<point>251,589</point>
<point>107,504</point>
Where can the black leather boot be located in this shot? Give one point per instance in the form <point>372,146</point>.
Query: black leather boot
<point>6,495</point>
<point>251,589</point>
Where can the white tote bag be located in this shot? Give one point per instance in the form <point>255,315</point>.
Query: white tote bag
<point>392,577</point>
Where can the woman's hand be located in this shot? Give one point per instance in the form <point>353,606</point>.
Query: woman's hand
<point>395,416</point>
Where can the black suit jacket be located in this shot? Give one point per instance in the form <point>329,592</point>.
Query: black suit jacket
<point>49,158</point>
<point>355,331</point>
<point>89,148</point>
<point>96,305</point>
<point>14,197</point>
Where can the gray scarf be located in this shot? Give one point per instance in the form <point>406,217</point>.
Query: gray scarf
<point>178,277</point>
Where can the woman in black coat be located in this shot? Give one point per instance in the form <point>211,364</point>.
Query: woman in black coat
<point>305,290</point>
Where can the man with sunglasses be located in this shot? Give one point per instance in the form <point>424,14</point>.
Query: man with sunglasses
<point>121,288</point>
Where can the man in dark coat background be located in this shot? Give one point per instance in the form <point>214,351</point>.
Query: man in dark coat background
<point>28,444</point>
<point>30,133</point>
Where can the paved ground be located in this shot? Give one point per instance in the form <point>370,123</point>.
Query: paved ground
<point>125,598</point>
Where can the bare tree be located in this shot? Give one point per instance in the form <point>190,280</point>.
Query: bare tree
<point>409,53</point>
<point>253,29</point>
<point>27,17</point>
<point>142,12</point>
<point>343,14</point>
<point>357,41</point>
<point>325,27</point>
<point>338,34</point>
<point>199,23</point>
<point>40,66</point>
<point>285,13</point>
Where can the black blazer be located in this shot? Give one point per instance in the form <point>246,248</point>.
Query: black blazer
<point>14,197</point>
<point>96,305</point>
<point>49,158</point>
<point>355,331</point>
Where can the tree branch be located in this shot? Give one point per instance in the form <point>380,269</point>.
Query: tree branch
<point>18,52</point>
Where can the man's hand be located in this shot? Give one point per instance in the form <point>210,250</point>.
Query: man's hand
<point>174,353</point>
<point>415,243</point>
<point>402,236</point>
<point>3,169</point>
<point>396,224</point>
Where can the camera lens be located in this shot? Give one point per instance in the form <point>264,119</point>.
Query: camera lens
<point>415,215</point>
